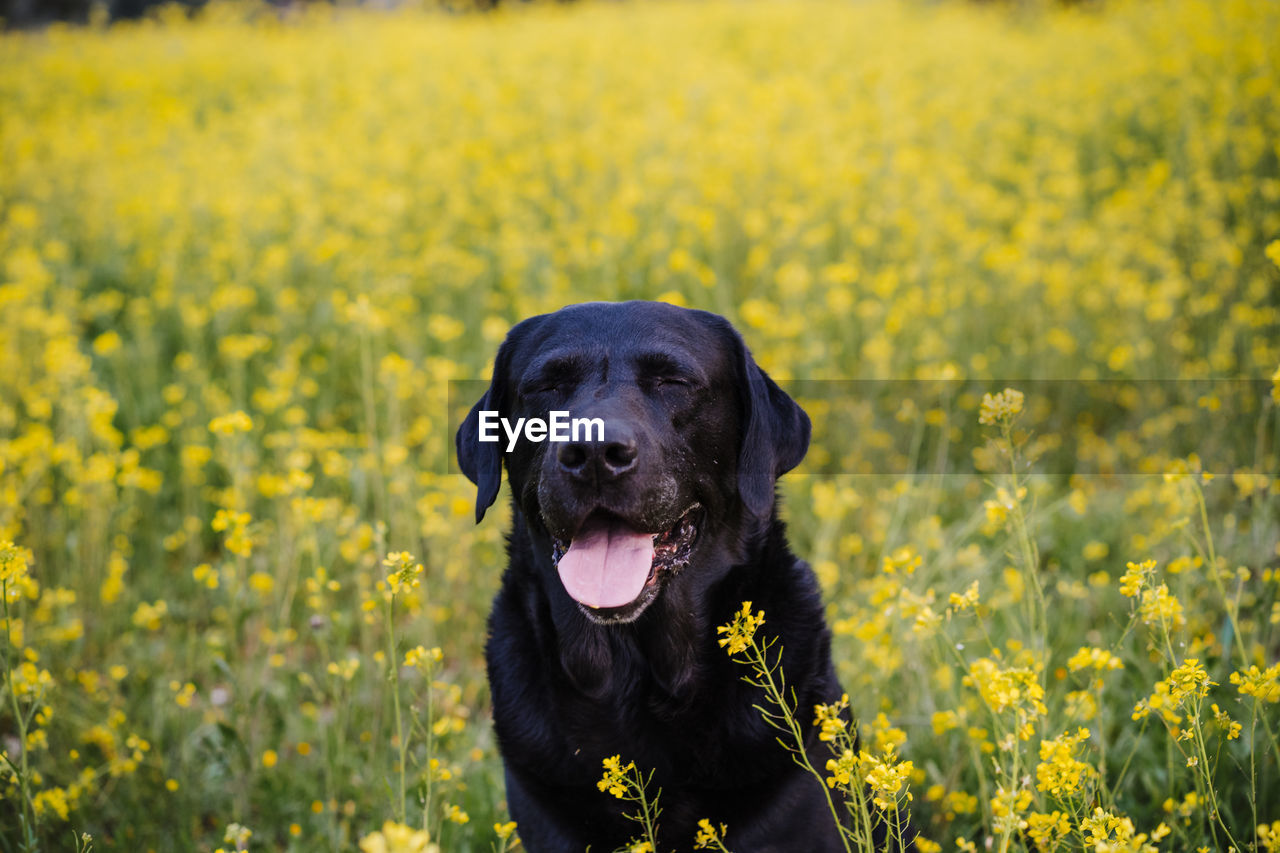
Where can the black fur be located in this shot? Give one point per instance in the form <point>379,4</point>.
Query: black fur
<point>572,686</point>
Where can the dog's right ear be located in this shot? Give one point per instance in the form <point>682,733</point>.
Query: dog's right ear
<point>480,460</point>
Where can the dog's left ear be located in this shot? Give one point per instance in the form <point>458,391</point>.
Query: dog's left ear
<point>480,460</point>
<point>776,436</point>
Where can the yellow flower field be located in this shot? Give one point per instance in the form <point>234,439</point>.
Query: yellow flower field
<point>246,259</point>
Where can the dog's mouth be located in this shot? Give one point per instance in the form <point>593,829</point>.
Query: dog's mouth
<point>614,570</point>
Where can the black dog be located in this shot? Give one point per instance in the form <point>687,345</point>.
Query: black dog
<point>626,554</point>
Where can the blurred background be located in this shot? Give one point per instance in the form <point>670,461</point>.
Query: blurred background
<point>254,258</point>
<point>26,13</point>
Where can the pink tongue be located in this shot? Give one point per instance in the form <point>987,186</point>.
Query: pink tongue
<point>607,566</point>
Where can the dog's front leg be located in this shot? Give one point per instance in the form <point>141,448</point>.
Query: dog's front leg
<point>544,826</point>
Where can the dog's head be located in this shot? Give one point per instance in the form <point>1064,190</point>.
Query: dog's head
<point>672,439</point>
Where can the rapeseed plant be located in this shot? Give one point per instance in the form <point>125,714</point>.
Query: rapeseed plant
<point>856,773</point>
<point>629,784</point>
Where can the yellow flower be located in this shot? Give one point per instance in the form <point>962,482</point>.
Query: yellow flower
<point>405,572</point>
<point>1135,577</point>
<point>262,583</point>
<point>616,779</point>
<point>1091,656</point>
<point>1273,252</point>
<point>1007,807</point>
<point>1013,688</point>
<point>829,720</point>
<point>1098,826</point>
<point>107,343</point>
<point>150,616</point>
<point>1263,685</point>
<point>346,669</point>
<point>52,801</point>
<point>204,574</point>
<point>1160,607</point>
<point>885,777</point>
<point>708,834</point>
<point>1269,834</point>
<point>1159,701</point>
<point>236,524</point>
<point>1189,679</point>
<point>398,838</point>
<point>904,560</point>
<point>1230,726</point>
<point>1000,408</point>
<point>1082,705</point>
<point>13,562</point>
<point>944,721</point>
<point>183,693</point>
<point>1047,830</point>
<point>423,658</point>
<point>842,769</point>
<point>1059,772</point>
<point>884,736</point>
<point>958,803</point>
<point>966,600</point>
<point>27,679</point>
<point>742,631</point>
<point>1095,550</point>
<point>230,424</point>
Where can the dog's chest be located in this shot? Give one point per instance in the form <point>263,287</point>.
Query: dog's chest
<point>708,739</point>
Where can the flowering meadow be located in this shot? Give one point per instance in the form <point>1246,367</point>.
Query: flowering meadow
<point>244,257</point>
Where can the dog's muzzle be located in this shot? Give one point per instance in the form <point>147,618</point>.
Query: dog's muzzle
<point>614,571</point>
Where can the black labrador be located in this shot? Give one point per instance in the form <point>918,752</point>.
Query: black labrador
<point>627,551</point>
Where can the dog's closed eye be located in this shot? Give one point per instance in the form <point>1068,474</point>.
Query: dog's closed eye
<point>657,370</point>
<point>558,375</point>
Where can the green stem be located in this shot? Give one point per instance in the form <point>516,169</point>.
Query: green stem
<point>24,783</point>
<point>648,813</point>
<point>800,754</point>
<point>1203,764</point>
<point>371,423</point>
<point>1230,607</point>
<point>1013,782</point>
<point>1030,558</point>
<point>1124,768</point>
<point>1253,765</point>
<point>1217,580</point>
<point>429,736</point>
<point>401,738</point>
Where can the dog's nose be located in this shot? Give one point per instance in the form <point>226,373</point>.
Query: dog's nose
<point>607,460</point>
